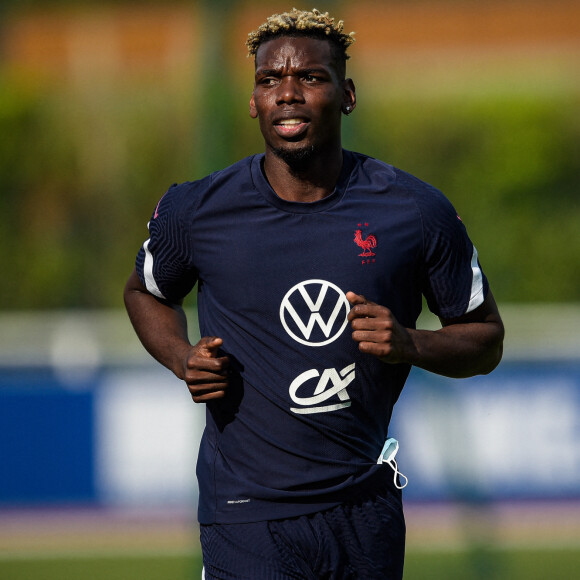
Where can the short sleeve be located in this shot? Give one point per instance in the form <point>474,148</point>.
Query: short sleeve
<point>454,282</point>
<point>165,261</point>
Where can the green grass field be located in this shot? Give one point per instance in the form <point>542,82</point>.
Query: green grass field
<point>528,564</point>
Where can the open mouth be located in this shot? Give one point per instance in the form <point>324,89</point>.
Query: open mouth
<point>291,127</point>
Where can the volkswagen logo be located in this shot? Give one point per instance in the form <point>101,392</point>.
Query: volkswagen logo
<point>314,312</point>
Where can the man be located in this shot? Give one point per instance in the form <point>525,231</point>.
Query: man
<point>310,262</point>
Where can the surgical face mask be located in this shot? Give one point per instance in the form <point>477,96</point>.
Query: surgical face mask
<point>387,455</point>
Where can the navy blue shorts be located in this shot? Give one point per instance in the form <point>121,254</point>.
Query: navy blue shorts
<point>365,540</point>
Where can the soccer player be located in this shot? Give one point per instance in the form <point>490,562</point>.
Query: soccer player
<point>311,262</point>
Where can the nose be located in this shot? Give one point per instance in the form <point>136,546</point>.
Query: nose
<point>289,91</point>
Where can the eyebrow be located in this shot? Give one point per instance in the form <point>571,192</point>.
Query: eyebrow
<point>267,71</point>
<point>305,70</point>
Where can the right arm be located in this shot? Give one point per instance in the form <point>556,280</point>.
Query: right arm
<point>162,328</point>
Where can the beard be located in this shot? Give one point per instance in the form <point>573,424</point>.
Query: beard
<point>296,159</point>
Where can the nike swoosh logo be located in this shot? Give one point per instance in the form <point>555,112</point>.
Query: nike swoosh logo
<point>157,208</point>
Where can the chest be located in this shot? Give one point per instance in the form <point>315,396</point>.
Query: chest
<point>252,259</point>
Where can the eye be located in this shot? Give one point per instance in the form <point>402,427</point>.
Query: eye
<point>266,80</point>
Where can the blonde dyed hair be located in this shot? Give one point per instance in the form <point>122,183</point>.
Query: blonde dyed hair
<point>314,24</point>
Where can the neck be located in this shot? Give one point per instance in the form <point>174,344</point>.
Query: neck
<point>306,180</point>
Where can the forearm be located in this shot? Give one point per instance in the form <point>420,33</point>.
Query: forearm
<point>457,350</point>
<point>465,346</point>
<point>160,326</point>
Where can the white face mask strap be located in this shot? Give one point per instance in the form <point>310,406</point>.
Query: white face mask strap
<point>388,456</point>
<point>393,464</point>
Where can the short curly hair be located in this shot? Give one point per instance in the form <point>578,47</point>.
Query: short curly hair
<point>313,24</point>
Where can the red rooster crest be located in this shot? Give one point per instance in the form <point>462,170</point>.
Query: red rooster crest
<point>369,242</point>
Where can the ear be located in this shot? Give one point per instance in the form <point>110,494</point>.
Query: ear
<point>253,110</point>
<point>348,96</point>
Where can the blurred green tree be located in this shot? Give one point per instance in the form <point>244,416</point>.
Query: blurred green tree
<point>512,168</point>
<point>83,165</point>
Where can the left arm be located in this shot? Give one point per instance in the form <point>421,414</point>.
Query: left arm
<point>469,345</point>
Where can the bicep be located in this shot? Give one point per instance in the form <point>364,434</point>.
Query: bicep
<point>134,286</point>
<point>487,312</point>
<point>134,283</point>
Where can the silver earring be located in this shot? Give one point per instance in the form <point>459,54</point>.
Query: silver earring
<point>347,110</point>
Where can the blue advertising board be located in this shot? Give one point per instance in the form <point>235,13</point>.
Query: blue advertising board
<point>46,439</point>
<point>130,435</point>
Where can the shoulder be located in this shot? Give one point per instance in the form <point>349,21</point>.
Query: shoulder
<point>434,213</point>
<point>382,177</point>
<point>188,195</point>
<point>423,192</point>
<point>370,174</point>
<point>431,203</point>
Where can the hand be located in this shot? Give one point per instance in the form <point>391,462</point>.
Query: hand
<point>206,374</point>
<point>377,331</point>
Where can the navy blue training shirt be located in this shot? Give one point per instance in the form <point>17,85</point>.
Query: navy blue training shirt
<point>306,414</point>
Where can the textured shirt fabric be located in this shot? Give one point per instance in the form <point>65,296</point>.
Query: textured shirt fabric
<point>351,541</point>
<point>306,414</point>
